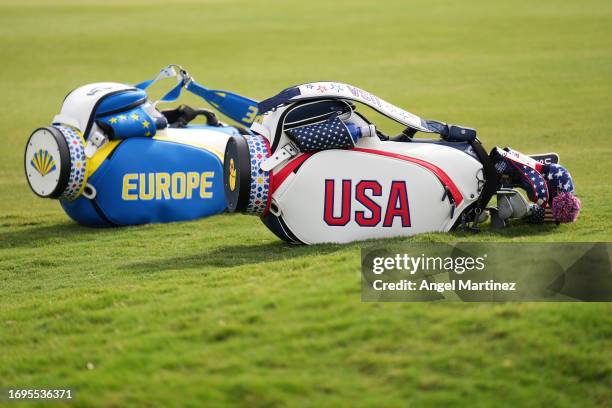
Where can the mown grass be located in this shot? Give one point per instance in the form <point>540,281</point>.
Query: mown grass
<point>218,311</point>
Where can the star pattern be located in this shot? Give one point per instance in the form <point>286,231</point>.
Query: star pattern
<point>128,124</point>
<point>535,184</point>
<point>78,160</point>
<point>331,134</point>
<point>336,87</point>
<point>526,177</point>
<point>559,180</point>
<point>260,179</point>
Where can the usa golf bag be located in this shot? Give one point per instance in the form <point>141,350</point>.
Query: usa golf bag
<point>112,158</point>
<point>317,170</point>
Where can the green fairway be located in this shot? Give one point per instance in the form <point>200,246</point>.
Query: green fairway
<point>219,311</point>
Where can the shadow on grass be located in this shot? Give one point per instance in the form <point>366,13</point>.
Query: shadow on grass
<point>516,230</point>
<point>234,255</point>
<point>70,232</point>
<point>39,235</point>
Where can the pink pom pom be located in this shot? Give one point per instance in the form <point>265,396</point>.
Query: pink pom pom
<point>565,207</point>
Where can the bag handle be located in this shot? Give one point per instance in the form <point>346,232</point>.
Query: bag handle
<point>236,107</point>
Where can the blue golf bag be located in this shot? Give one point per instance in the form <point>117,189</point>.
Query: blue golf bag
<point>113,159</point>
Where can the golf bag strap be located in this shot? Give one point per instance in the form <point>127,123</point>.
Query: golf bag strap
<point>281,155</point>
<point>278,99</point>
<point>337,90</point>
<point>167,72</point>
<point>236,107</point>
<point>451,133</point>
<point>491,183</point>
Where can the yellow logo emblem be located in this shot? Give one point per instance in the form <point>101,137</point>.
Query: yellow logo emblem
<point>232,175</point>
<point>43,162</point>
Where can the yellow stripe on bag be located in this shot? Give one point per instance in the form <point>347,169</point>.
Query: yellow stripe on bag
<point>190,143</point>
<point>101,155</point>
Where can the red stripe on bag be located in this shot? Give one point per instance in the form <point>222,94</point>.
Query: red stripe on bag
<point>281,176</point>
<point>442,176</point>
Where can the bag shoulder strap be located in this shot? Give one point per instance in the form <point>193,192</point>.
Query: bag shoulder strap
<point>236,107</point>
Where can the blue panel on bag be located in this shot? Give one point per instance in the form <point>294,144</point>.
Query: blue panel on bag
<point>148,180</point>
<point>83,211</point>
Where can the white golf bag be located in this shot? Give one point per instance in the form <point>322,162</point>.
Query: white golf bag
<point>316,170</point>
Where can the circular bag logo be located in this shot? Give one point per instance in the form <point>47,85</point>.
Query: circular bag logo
<point>43,162</point>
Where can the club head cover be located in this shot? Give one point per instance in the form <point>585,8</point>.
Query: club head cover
<point>524,176</point>
<point>564,203</point>
<point>558,179</point>
<point>566,207</point>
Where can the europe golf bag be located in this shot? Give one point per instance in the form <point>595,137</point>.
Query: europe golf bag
<point>112,158</point>
<point>317,170</point>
